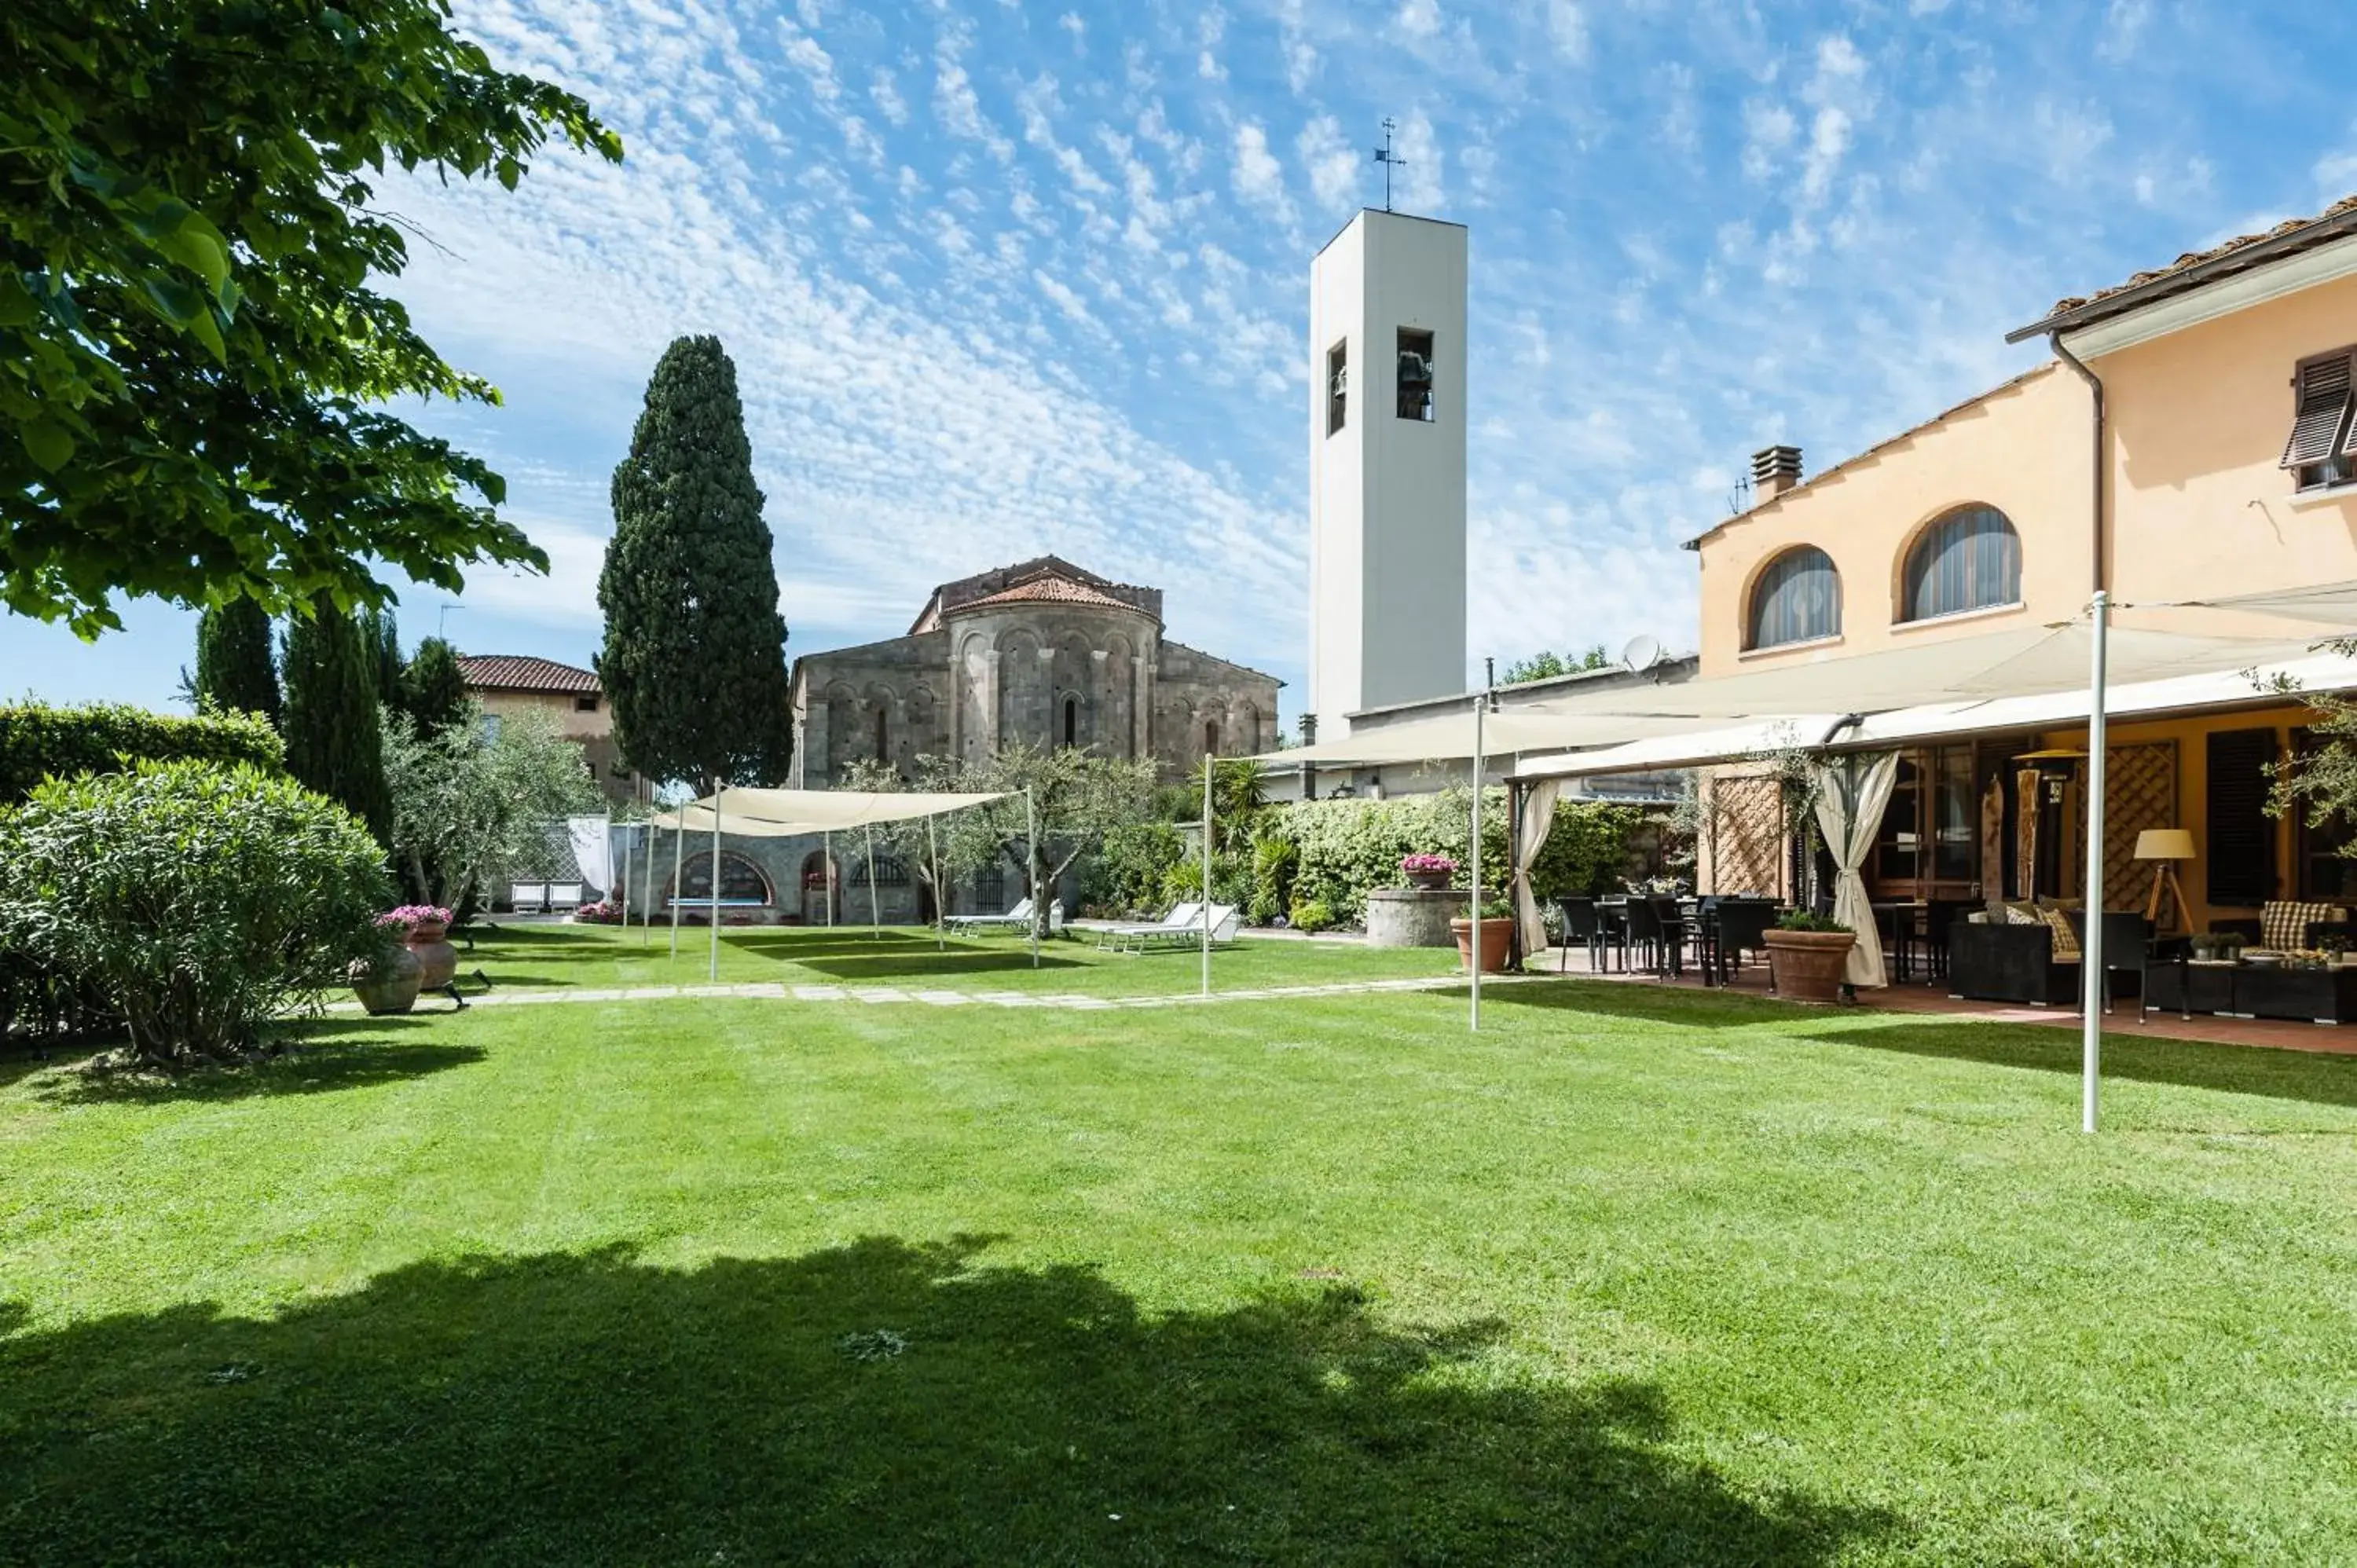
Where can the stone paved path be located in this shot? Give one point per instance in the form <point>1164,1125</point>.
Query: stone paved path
<point>889,995</point>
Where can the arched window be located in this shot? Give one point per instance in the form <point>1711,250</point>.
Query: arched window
<point>1071,721</point>
<point>883,736</point>
<point>1796,599</point>
<point>1211,738</point>
<point>1966,560</point>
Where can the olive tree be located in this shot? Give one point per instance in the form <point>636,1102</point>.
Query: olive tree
<point>466,803</point>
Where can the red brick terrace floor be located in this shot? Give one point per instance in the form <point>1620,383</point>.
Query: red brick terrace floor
<point>1751,979</point>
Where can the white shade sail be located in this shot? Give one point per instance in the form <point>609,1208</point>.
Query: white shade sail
<point>2326,604</point>
<point>781,812</point>
<point>2246,687</point>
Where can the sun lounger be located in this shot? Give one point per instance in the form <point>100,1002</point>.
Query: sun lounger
<point>1182,916</point>
<point>1225,922</point>
<point>1018,919</point>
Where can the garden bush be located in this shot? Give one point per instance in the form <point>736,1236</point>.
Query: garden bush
<point>1232,881</point>
<point>1275,862</point>
<point>200,900</point>
<point>38,741</point>
<point>1126,871</point>
<point>1312,918</point>
<point>1348,848</point>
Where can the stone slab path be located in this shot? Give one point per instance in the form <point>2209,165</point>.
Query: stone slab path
<point>890,996</point>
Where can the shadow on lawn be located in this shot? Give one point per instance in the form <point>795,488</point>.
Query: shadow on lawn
<point>321,1057</point>
<point>2317,1079</point>
<point>950,965</point>
<point>1687,1009</point>
<point>876,1402</point>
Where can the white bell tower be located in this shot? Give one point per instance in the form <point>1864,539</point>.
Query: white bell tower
<point>1387,412</point>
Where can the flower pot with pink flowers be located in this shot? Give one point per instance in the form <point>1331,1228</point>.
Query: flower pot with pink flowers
<point>1427,871</point>
<point>425,930</point>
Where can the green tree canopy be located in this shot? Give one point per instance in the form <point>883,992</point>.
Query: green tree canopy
<point>194,369</point>
<point>695,660</point>
<point>335,743</point>
<point>1079,796</point>
<point>466,804</point>
<point>434,688</point>
<point>380,641</point>
<point>1544,665</point>
<point>235,670</point>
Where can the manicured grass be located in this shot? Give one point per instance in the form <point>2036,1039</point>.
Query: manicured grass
<point>1631,1277</point>
<point>599,957</point>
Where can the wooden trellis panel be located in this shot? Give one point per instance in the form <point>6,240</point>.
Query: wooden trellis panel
<point>1748,856</point>
<point>2140,792</point>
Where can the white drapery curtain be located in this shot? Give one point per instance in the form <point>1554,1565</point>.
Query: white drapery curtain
<point>1852,793</point>
<point>593,850</point>
<point>1538,817</point>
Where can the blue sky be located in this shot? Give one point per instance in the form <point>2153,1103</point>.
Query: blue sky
<point>1004,278</point>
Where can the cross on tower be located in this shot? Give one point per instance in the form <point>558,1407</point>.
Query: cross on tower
<point>1389,160</point>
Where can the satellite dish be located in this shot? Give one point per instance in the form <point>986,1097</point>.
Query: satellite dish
<point>1641,654</point>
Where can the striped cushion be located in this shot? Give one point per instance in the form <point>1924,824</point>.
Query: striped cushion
<point>2283,924</point>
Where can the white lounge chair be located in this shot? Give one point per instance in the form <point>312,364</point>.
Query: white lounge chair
<point>1224,920</point>
<point>1182,916</point>
<point>528,897</point>
<point>971,925</point>
<point>564,896</point>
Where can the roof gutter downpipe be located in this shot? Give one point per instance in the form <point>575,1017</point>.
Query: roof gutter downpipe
<point>2095,386</point>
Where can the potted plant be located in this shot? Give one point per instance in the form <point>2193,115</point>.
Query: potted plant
<point>386,980</point>
<point>1431,872</point>
<point>425,928</point>
<point>1497,936</point>
<point>1808,955</point>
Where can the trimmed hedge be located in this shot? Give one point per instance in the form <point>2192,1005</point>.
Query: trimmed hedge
<point>1347,848</point>
<point>38,741</point>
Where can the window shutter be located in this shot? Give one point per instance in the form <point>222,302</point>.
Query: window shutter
<point>2240,861</point>
<point>2322,426</point>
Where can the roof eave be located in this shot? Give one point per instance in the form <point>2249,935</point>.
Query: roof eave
<point>2200,274</point>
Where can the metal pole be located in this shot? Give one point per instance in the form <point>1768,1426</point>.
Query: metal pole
<point>678,840</point>
<point>2091,943</point>
<point>712,908</point>
<point>1208,765</point>
<point>1480,706</point>
<point>1031,866</point>
<point>646,902</point>
<point>874,921</point>
<point>826,875</point>
<point>940,908</point>
<point>624,880</point>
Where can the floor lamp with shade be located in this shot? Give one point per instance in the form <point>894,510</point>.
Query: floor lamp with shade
<point>2167,846</point>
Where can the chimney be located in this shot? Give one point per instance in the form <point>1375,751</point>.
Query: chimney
<point>1775,470</point>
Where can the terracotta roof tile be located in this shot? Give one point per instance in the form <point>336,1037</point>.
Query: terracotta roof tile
<point>520,672</point>
<point>2193,259</point>
<point>1048,589</point>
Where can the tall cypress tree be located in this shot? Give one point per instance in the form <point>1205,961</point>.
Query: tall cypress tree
<point>234,667</point>
<point>695,660</point>
<point>434,687</point>
<point>335,742</point>
<point>380,636</point>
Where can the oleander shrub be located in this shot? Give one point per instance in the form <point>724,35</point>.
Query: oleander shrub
<point>201,901</point>
<point>40,741</point>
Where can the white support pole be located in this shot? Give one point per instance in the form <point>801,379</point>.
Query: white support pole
<point>1031,867</point>
<point>678,843</point>
<point>2091,943</point>
<point>1208,764</point>
<point>874,921</point>
<point>941,902</point>
<point>712,908</point>
<point>1480,706</point>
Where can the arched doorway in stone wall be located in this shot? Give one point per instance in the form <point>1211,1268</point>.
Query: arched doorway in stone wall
<point>814,879</point>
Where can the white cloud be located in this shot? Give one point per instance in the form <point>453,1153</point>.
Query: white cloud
<point>1567,27</point>
<point>1293,42</point>
<point>1419,18</point>
<point>1420,187</point>
<point>1258,177</point>
<point>1335,171</point>
<point>955,101</point>
<point>2124,24</point>
<point>887,94</point>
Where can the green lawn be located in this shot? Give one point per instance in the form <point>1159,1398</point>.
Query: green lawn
<point>597,957</point>
<point>1632,1277</point>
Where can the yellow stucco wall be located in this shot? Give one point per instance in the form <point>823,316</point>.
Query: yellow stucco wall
<point>594,730</point>
<point>2197,507</point>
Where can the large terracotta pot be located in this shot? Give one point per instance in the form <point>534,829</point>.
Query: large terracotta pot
<point>437,961</point>
<point>1808,966</point>
<point>1497,942</point>
<point>391,986</point>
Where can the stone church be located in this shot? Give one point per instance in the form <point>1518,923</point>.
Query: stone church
<point>1041,651</point>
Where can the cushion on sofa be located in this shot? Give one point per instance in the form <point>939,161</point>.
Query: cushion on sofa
<point>2282,923</point>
